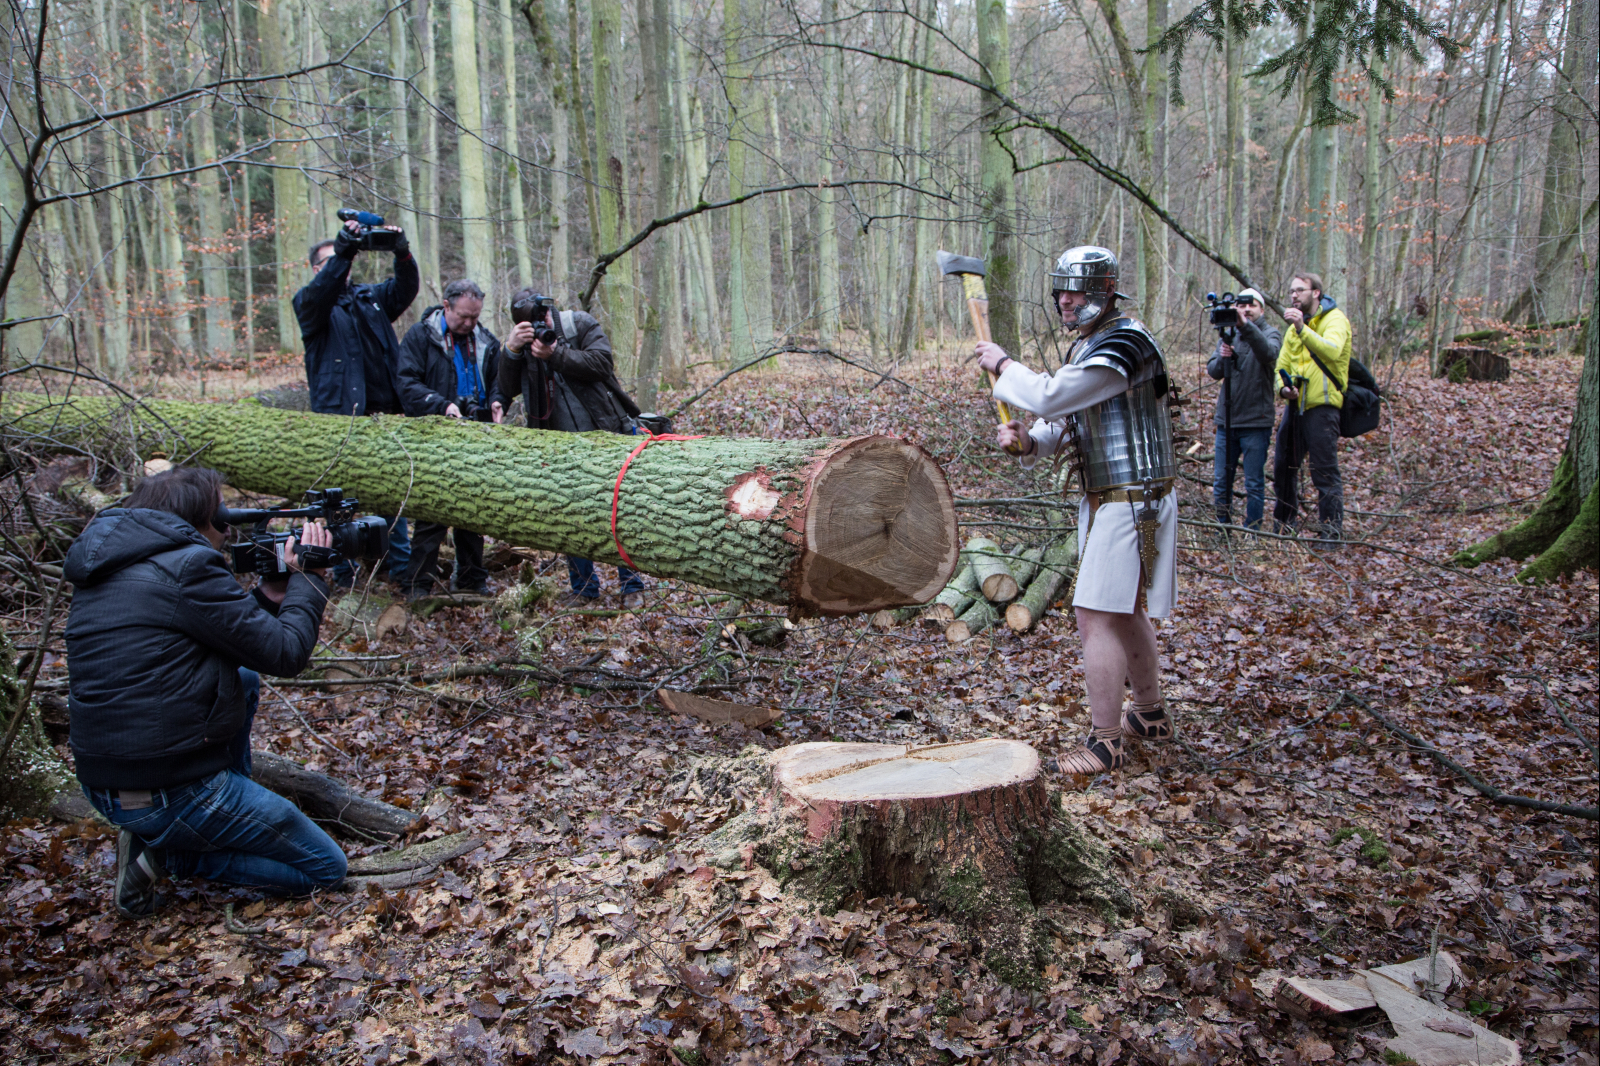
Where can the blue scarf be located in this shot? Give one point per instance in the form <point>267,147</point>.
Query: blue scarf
<point>468,380</point>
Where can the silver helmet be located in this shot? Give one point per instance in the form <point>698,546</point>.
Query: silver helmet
<point>1086,269</point>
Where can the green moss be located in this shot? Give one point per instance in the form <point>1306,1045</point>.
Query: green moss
<point>1373,849</point>
<point>1395,1058</point>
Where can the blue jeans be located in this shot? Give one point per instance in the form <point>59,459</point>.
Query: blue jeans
<point>398,558</point>
<point>1251,446</point>
<point>586,583</point>
<point>227,828</point>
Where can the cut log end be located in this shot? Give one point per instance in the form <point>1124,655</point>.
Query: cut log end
<point>939,613</point>
<point>1019,618</point>
<point>957,632</point>
<point>1000,588</point>
<point>880,530</point>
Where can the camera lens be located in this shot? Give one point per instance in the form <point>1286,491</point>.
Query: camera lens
<point>364,538</point>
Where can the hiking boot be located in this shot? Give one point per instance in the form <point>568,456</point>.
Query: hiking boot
<point>569,600</point>
<point>137,874</point>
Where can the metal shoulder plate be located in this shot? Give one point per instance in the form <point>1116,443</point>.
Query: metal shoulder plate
<point>1127,347</point>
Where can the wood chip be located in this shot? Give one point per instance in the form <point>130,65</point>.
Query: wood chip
<point>1304,997</point>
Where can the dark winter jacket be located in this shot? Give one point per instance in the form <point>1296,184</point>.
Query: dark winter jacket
<point>157,632</point>
<point>575,390</point>
<point>1250,387</point>
<point>351,350</point>
<point>428,366</point>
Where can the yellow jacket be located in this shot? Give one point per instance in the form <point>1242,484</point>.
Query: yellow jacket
<point>1328,335</point>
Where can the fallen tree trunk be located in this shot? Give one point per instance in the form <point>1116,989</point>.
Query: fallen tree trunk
<point>328,799</point>
<point>1055,570</point>
<point>827,526</point>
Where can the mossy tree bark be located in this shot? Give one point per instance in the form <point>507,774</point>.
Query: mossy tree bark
<point>969,829</point>
<point>830,526</point>
<point>32,773</point>
<point>1565,529</point>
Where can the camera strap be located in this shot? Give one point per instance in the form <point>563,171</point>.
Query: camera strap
<point>616,490</point>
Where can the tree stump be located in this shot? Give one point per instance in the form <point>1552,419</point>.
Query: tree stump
<point>1466,362</point>
<point>969,829</point>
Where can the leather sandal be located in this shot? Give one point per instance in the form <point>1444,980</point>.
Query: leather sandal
<point>1147,721</point>
<point>1101,751</point>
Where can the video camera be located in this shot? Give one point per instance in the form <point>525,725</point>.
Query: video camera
<point>533,307</point>
<point>262,551</point>
<point>1224,315</point>
<point>371,237</point>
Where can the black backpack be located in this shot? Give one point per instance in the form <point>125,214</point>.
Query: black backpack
<point>1362,398</point>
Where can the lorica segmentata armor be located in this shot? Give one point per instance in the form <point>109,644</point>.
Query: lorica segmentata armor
<point>1126,441</point>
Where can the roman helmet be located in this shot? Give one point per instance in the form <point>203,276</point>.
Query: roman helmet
<point>1086,269</point>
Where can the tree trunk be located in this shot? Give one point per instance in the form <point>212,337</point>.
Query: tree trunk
<point>428,254</point>
<point>581,125</point>
<point>1563,170</point>
<point>999,192</point>
<point>968,829</point>
<point>518,225</point>
<point>991,567</point>
<point>654,34</point>
<point>831,526</point>
<point>955,596</point>
<point>611,121</point>
<point>328,799</point>
<point>1565,528</point>
<point>401,135</point>
<point>749,244</point>
<point>477,231</point>
<point>32,773</point>
<point>537,14</point>
<point>291,232</point>
<point>827,226</point>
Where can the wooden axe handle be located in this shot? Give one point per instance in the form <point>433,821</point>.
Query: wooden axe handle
<point>978,309</point>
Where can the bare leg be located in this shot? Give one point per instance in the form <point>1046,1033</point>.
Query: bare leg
<point>1117,647</point>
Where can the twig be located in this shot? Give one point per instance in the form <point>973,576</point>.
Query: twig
<point>233,926</point>
<point>1489,791</point>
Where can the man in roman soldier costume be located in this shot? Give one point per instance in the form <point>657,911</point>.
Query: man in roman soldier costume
<point>1107,410</point>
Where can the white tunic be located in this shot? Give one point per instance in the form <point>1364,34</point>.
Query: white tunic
<point>1108,543</point>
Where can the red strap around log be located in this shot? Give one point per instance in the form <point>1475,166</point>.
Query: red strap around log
<point>616,490</point>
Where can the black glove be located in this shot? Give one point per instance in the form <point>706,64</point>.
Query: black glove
<point>402,247</point>
<point>346,244</point>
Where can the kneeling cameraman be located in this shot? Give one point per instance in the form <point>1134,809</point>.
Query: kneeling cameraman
<point>163,646</point>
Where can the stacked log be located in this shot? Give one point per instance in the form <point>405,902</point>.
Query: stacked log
<point>991,585</point>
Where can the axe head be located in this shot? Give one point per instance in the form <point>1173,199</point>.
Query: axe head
<point>950,263</point>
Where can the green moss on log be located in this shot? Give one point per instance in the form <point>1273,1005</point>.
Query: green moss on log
<point>833,526</point>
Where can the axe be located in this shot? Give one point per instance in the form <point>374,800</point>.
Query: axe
<point>970,270</point>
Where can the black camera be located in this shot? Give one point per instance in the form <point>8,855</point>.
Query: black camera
<point>1224,313</point>
<point>261,552</point>
<point>473,411</point>
<point>530,306</point>
<point>371,237</point>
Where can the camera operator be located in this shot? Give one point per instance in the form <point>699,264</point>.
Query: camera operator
<point>450,365</point>
<point>163,646</point>
<point>561,366</point>
<point>1244,361</point>
<point>352,356</point>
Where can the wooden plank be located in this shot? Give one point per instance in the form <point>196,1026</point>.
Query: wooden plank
<point>1306,997</point>
<point>1430,1035</point>
<point>717,712</point>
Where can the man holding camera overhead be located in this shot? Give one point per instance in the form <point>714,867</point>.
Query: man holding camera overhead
<point>560,363</point>
<point>163,646</point>
<point>352,356</point>
<point>1244,361</point>
<point>450,365</point>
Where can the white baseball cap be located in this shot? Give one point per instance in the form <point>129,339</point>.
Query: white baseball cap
<point>1253,294</point>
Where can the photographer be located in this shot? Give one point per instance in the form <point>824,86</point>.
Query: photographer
<point>163,646</point>
<point>560,364</point>
<point>1244,362</point>
<point>1315,358</point>
<point>450,365</point>
<point>352,356</point>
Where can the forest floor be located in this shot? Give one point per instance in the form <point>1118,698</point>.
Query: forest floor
<point>595,926</point>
